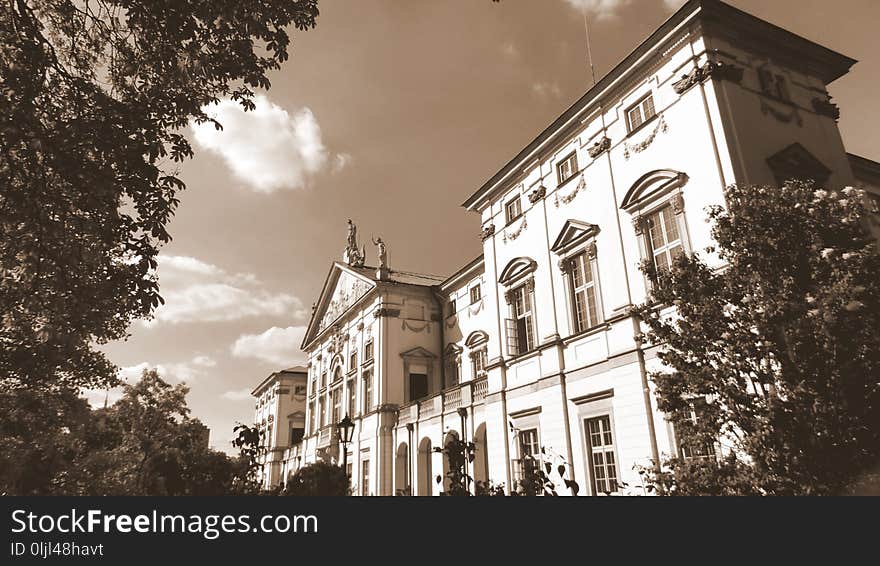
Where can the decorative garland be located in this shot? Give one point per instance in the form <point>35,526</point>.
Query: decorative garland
<point>515,235</point>
<point>407,326</point>
<point>474,310</point>
<point>643,145</point>
<point>582,184</point>
<point>780,115</point>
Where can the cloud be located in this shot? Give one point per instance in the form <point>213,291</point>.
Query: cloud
<point>268,148</point>
<point>340,162</point>
<point>279,346</point>
<point>177,372</point>
<point>195,291</point>
<point>543,89</point>
<point>510,49</point>
<point>239,395</point>
<point>673,5</point>
<point>600,8</point>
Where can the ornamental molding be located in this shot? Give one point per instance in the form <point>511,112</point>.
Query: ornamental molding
<point>565,199</point>
<point>708,70</point>
<point>386,312</point>
<point>781,115</point>
<point>476,308</point>
<point>629,149</point>
<point>600,147</point>
<point>678,204</point>
<point>510,294</point>
<point>537,194</point>
<point>826,108</point>
<point>516,233</point>
<point>487,232</point>
<point>406,325</point>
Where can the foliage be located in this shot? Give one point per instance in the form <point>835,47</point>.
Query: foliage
<point>94,98</point>
<point>537,469</point>
<point>458,454</point>
<point>319,479</point>
<point>249,441</point>
<point>489,488</point>
<point>783,343</point>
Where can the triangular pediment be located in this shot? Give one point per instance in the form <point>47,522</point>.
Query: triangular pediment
<point>418,352</point>
<point>795,162</point>
<point>573,233</point>
<point>342,290</point>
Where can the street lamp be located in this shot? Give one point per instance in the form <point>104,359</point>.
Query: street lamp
<point>344,432</point>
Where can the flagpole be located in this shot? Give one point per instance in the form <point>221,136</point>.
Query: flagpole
<point>589,48</point>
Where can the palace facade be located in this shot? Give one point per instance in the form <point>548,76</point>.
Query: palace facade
<point>530,349</point>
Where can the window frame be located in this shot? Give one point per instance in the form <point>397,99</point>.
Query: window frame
<point>606,449</point>
<point>367,390</point>
<point>570,159</point>
<point>643,118</point>
<point>517,202</point>
<point>666,250</point>
<point>479,294</point>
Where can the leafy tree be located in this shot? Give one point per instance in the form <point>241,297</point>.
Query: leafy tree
<point>319,479</point>
<point>249,441</point>
<point>94,99</point>
<point>783,343</point>
<point>458,453</point>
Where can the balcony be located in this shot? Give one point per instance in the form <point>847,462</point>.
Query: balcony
<point>327,436</point>
<point>451,399</point>
<point>479,389</point>
<point>448,401</point>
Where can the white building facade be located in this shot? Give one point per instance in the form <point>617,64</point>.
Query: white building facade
<point>531,348</point>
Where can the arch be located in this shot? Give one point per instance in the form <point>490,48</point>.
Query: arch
<point>518,267</point>
<point>649,185</point>
<point>476,338</point>
<point>401,471</point>
<point>426,481</point>
<point>481,455</point>
<point>451,436</point>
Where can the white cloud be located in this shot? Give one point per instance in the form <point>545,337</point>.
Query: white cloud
<point>195,291</point>
<point>268,148</point>
<point>599,8</point>
<point>544,89</point>
<point>279,346</point>
<point>673,4</point>
<point>177,372</point>
<point>340,162</point>
<point>239,395</point>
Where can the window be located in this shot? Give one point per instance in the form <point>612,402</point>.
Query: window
<point>583,292</point>
<point>336,399</point>
<point>521,330</point>
<point>451,307</point>
<point>368,351</point>
<point>337,375</point>
<point>322,408</point>
<point>296,435</point>
<point>529,461</point>
<point>312,417</point>
<point>781,89</point>
<point>351,398</point>
<point>663,237</point>
<point>368,390</point>
<point>475,294</point>
<point>418,386</point>
<point>478,361</point>
<point>600,454</point>
<point>299,390</point>
<point>567,168</point>
<point>696,450</point>
<point>513,209</point>
<point>453,369</point>
<point>353,360</point>
<point>323,380</point>
<point>640,113</point>
<point>365,477</point>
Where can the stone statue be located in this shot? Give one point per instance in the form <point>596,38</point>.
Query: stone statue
<point>382,253</point>
<point>352,256</point>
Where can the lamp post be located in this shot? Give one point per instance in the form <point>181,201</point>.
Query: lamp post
<point>344,432</point>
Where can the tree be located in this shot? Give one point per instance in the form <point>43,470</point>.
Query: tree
<point>458,454</point>
<point>94,98</point>
<point>319,479</point>
<point>777,354</point>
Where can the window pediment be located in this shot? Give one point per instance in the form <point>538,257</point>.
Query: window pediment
<point>573,234</point>
<point>516,269</point>
<point>476,338</point>
<point>652,186</point>
<point>795,162</point>
<point>418,352</point>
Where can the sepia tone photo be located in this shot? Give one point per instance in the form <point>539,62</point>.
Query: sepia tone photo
<point>439,248</point>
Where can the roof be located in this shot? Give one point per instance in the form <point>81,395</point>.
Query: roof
<point>828,64</point>
<point>402,277</point>
<point>274,376</point>
<point>468,269</point>
<point>864,169</point>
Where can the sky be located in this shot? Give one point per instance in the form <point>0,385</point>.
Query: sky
<point>392,113</point>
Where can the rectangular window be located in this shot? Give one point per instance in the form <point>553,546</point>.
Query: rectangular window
<point>453,370</point>
<point>452,308</point>
<point>351,398</point>
<point>640,113</point>
<point>418,386</point>
<point>475,294</point>
<point>567,168</point>
<point>702,451</point>
<point>353,360</point>
<point>765,77</point>
<point>296,435</point>
<point>323,380</point>
<point>479,363</point>
<point>523,320</point>
<point>600,454</point>
<point>583,291</point>
<point>782,89</point>
<point>529,461</point>
<point>312,417</point>
<point>365,477</point>
<point>663,237</point>
<point>513,210</point>
<point>299,390</point>
<point>368,390</point>
<point>322,408</point>
<point>336,398</point>
<point>368,351</point>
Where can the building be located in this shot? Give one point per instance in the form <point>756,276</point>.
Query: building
<point>280,416</point>
<point>530,348</point>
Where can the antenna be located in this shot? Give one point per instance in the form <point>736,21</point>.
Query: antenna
<point>589,49</point>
